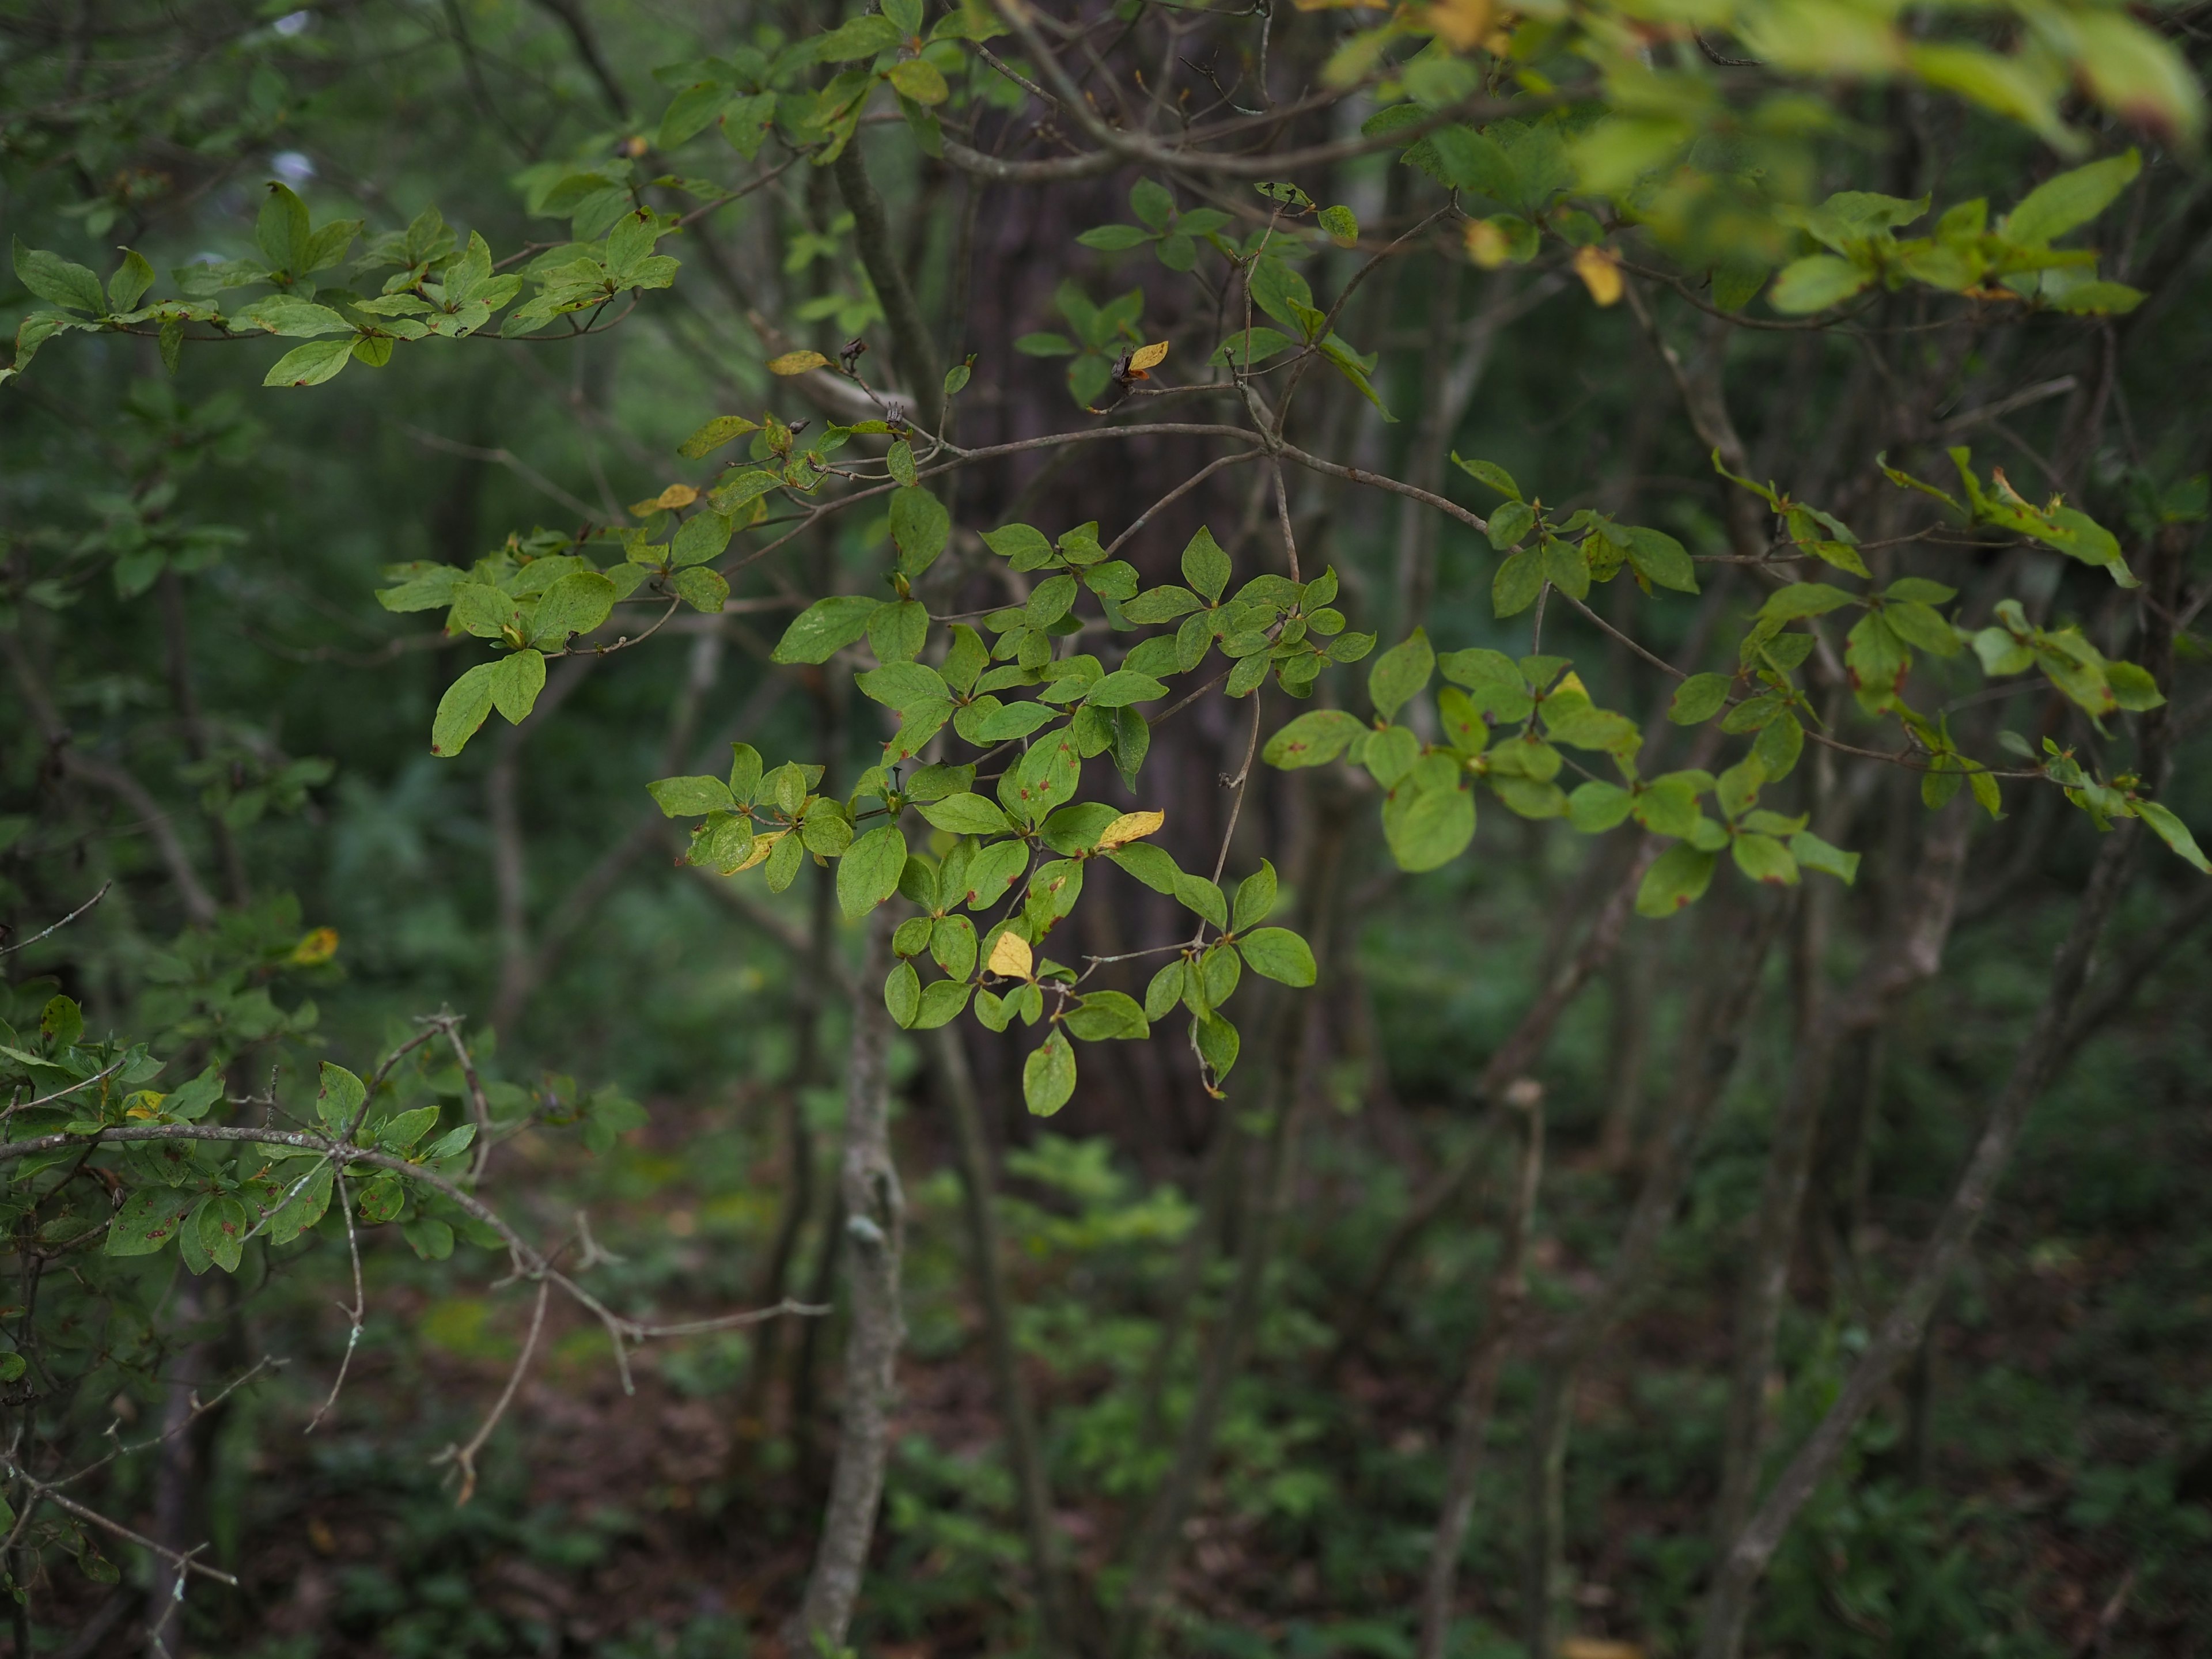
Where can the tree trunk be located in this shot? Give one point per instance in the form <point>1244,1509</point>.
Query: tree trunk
<point>874,1238</point>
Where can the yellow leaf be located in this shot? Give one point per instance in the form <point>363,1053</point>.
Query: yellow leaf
<point>1600,269</point>
<point>1461,23</point>
<point>1010,957</point>
<point>1486,245</point>
<point>797,363</point>
<point>762,848</point>
<point>1130,826</point>
<point>676,495</point>
<point>315,948</point>
<point>1151,356</point>
<point>144,1103</point>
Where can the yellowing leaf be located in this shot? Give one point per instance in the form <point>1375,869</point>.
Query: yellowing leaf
<point>315,948</point>
<point>797,363</point>
<point>1486,245</point>
<point>761,848</point>
<point>1151,356</point>
<point>1600,269</point>
<point>1461,23</point>
<point>1010,957</point>
<point>1130,826</point>
<point>676,495</point>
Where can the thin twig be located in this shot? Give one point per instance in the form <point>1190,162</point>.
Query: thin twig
<point>465,1456</point>
<point>11,949</point>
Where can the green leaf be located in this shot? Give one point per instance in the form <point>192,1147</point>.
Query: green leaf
<point>1218,1044</point>
<point>1255,897</point>
<point>2172,831</point>
<point>578,603</point>
<point>1278,954</point>
<point>1122,688</point>
<point>691,796</point>
<point>1401,673</point>
<point>1044,344</point>
<point>1678,878</point>
<point>1312,739</point>
<point>149,1220</point>
<point>339,1097</point>
<point>1025,545</point>
<point>868,872</point>
<point>1048,1076</point>
<point>296,1211</point>
<point>942,999</point>
<point>1517,583</point>
<point>902,994</point>
<point>1594,807</point>
<point>1509,524</point>
<point>396,1135</point>
<point>1765,859</point>
<point>1046,778</point>
<point>515,681</point>
<point>825,628</point>
<point>58,282</point>
<point>1115,238</point>
<point>1149,864</point>
<point>1661,560</point>
<point>1205,566</point>
<point>723,429</point>
<point>1427,828</point>
<point>462,710</point>
<point>289,315</point>
<point>702,589</point>
<point>991,871</point>
<point>131,281</point>
<point>966,815</point>
<point>2070,199</point>
<point>1803,599</point>
<point>311,364</point>
<point>1699,698</point>
<point>859,37</point>
<point>1492,474</point>
<point>1248,346</point>
<point>703,537</point>
<point>1105,1015</point>
<point>920,526</point>
<point>896,632</point>
<point>1165,990</point>
<point>1196,893</point>
<point>222,1226</point>
<point>1779,744</point>
<point>920,80</point>
<point>1815,282</point>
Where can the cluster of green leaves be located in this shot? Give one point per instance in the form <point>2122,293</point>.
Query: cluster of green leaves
<point>1023,848</point>
<point>1101,332</point>
<point>1284,294</point>
<point>1572,553</point>
<point>211,1197</point>
<point>1172,233</point>
<point>436,288</point>
<point>1719,174</point>
<point>1964,254</point>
